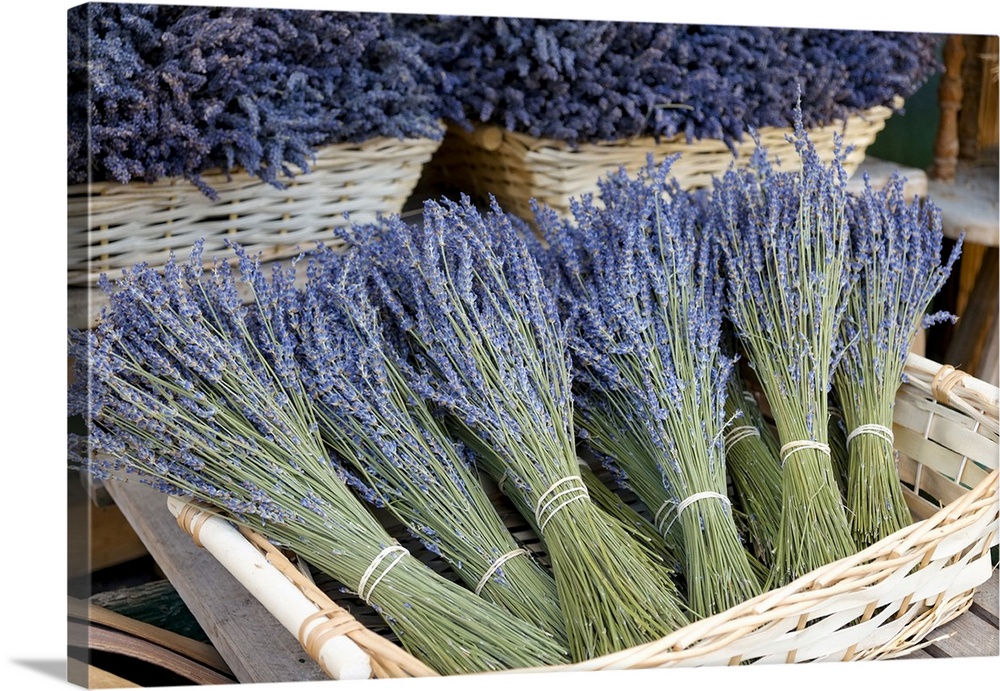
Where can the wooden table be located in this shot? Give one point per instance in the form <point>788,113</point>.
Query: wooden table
<point>973,634</point>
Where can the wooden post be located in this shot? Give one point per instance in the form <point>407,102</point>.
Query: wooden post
<point>950,102</point>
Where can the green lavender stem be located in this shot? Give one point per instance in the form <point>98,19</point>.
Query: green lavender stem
<point>752,461</point>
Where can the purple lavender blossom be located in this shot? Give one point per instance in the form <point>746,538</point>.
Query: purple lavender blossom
<point>897,245</point>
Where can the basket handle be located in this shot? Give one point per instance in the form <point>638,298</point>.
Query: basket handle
<point>321,635</point>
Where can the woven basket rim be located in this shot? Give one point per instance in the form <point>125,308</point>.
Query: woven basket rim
<point>873,116</point>
<point>904,548</point>
<point>984,498</point>
<point>319,153</point>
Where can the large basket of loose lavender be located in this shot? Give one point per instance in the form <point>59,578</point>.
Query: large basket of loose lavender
<point>429,418</point>
<point>548,106</point>
<point>268,127</point>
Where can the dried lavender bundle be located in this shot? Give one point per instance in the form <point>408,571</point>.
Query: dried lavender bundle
<point>645,329</point>
<point>186,389</point>
<point>786,255</point>
<point>752,461</point>
<point>489,349</point>
<point>897,247</point>
<point>404,458</point>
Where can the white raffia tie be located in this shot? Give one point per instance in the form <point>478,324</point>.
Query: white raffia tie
<point>400,552</point>
<point>496,565</point>
<point>873,429</point>
<point>680,506</point>
<point>549,506</point>
<point>738,434</point>
<point>795,446</point>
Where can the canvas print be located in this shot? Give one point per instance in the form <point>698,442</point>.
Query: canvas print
<point>416,345</point>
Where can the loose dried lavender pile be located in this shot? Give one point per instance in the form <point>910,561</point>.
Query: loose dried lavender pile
<point>589,81</point>
<point>159,91</point>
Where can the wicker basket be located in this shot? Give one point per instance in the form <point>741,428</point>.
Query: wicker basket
<point>114,226</point>
<point>879,603</point>
<point>516,168</point>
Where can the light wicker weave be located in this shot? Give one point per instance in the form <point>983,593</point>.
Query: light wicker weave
<point>114,226</point>
<point>516,168</point>
<point>882,602</point>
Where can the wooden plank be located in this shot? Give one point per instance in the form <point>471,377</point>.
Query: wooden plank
<point>969,203</point>
<point>988,597</point>
<point>107,539</point>
<point>978,318</point>
<point>968,636</point>
<point>972,634</point>
<point>252,642</point>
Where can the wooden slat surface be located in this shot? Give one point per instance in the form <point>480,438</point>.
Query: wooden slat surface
<point>973,634</point>
<point>256,647</point>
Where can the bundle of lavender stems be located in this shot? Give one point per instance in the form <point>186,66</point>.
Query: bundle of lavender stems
<point>752,461</point>
<point>644,308</point>
<point>490,351</point>
<point>402,457</point>
<point>787,261</point>
<point>186,389</point>
<point>897,249</point>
